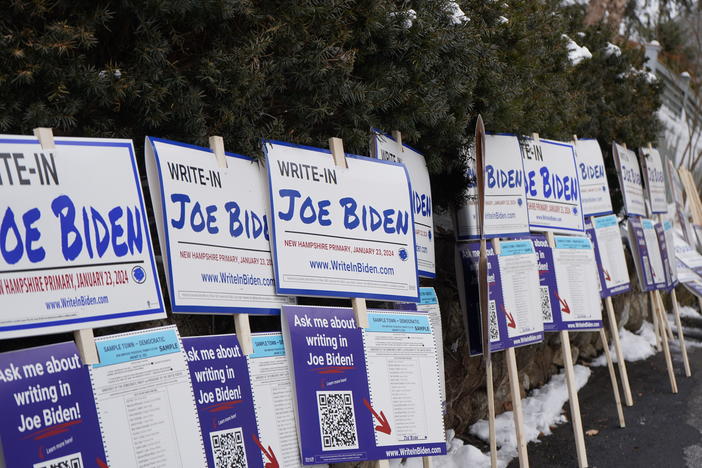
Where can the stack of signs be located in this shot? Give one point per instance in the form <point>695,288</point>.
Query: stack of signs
<point>655,178</point>
<point>76,249</point>
<point>605,235</point>
<point>506,213</point>
<point>364,394</point>
<point>594,189</point>
<point>244,403</point>
<point>654,254</point>
<point>552,190</point>
<point>630,180</point>
<point>688,266</point>
<point>664,232</point>
<point>386,148</point>
<point>145,400</point>
<point>639,250</point>
<point>49,416</point>
<point>213,228</point>
<point>341,231</point>
<point>514,296</point>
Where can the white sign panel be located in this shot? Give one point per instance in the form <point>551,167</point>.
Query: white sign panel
<point>594,189</point>
<point>630,180</point>
<point>654,251</point>
<point>577,280</point>
<point>214,230</point>
<point>655,178</point>
<point>75,249</point>
<point>552,188</point>
<point>506,212</point>
<point>385,148</point>
<point>341,232</point>
<point>609,241</point>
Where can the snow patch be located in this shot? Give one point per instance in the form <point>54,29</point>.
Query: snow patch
<point>612,50</point>
<point>457,15</point>
<point>502,20</point>
<point>576,54</point>
<point>689,312</point>
<point>408,17</point>
<point>635,346</point>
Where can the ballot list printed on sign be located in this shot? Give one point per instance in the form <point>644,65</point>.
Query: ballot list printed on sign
<point>506,212</point>
<point>364,394</point>
<point>594,189</point>
<point>145,400</point>
<point>48,412</point>
<point>386,148</point>
<point>605,236</point>
<point>429,303</point>
<point>654,253</point>
<point>655,180</point>
<point>341,231</point>
<point>630,180</point>
<point>76,249</point>
<point>214,230</point>
<point>576,279</point>
<point>551,182</point>
<point>519,277</point>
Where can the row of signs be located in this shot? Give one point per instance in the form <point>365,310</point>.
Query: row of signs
<point>344,393</point>
<point>236,237</point>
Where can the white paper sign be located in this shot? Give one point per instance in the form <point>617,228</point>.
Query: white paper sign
<point>609,241</point>
<point>75,249</point>
<point>594,189</point>
<point>385,148</point>
<point>341,232</point>
<point>688,255</point>
<point>577,281</point>
<point>552,189</point>
<point>506,212</point>
<point>630,180</point>
<point>655,177</point>
<point>654,251</point>
<point>519,272</point>
<point>214,230</point>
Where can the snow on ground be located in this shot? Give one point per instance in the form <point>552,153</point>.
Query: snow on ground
<point>689,312</point>
<point>576,54</point>
<point>635,346</point>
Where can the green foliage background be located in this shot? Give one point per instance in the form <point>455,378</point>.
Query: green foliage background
<point>303,71</point>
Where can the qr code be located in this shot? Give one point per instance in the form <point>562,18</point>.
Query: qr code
<point>73,460</point>
<point>546,312</point>
<point>337,422</point>
<point>228,448</point>
<point>493,327</point>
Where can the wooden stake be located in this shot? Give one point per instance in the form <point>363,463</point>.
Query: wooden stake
<point>666,352</point>
<point>242,326</point>
<point>491,413</point>
<point>515,388</point>
<point>85,339</point>
<point>654,317</point>
<point>613,378</point>
<point>576,419</point>
<point>681,335</point>
<point>614,331</point>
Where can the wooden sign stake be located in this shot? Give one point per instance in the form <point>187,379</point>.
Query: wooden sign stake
<point>614,331</point>
<point>681,335</point>
<point>84,338</point>
<point>613,378</point>
<point>664,338</point>
<point>242,326</point>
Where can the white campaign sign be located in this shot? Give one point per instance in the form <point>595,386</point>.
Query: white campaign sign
<point>654,251</point>
<point>655,178</point>
<point>630,180</point>
<point>609,241</point>
<point>687,254</point>
<point>341,232</point>
<point>519,272</point>
<point>75,249</point>
<point>577,280</point>
<point>594,189</point>
<point>213,228</point>
<point>506,212</point>
<point>552,188</point>
<point>385,148</point>
<point>669,235</point>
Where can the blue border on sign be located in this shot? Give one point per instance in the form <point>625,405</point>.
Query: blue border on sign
<point>324,293</point>
<point>137,181</point>
<point>183,309</point>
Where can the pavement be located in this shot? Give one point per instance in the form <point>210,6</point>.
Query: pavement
<point>662,429</point>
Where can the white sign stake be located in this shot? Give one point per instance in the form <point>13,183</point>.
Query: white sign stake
<point>85,340</point>
<point>681,336</point>
<point>657,305</point>
<point>242,326</point>
<point>613,378</point>
<point>614,331</point>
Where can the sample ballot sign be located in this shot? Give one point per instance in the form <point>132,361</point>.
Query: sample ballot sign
<point>630,180</point>
<point>604,233</point>
<point>655,180</point>
<point>75,247</point>
<point>386,148</point>
<point>341,231</point>
<point>214,230</point>
<point>364,394</point>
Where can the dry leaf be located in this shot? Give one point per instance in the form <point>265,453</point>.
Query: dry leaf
<point>592,432</point>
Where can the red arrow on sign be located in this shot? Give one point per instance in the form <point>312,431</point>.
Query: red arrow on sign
<point>384,425</point>
<point>272,461</point>
<point>564,304</point>
<point>510,320</point>
<point>607,277</point>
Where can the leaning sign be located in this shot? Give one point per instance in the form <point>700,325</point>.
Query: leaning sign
<point>630,180</point>
<point>74,237</point>
<point>341,231</point>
